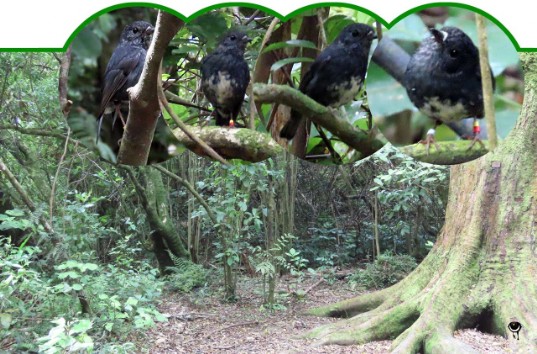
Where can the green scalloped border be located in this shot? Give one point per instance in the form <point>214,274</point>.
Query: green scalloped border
<point>276,14</point>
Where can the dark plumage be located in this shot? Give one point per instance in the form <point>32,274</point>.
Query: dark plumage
<point>337,74</point>
<point>443,77</point>
<point>125,66</point>
<point>225,76</point>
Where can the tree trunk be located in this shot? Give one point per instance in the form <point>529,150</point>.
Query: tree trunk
<point>153,195</point>
<point>482,270</point>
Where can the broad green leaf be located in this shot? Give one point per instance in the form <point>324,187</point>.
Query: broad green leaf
<point>290,43</point>
<point>5,320</point>
<point>280,63</point>
<point>81,326</point>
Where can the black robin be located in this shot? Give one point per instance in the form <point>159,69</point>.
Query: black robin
<point>337,74</point>
<point>443,79</point>
<point>225,76</point>
<point>124,67</point>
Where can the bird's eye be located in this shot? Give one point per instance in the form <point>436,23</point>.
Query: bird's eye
<point>232,37</point>
<point>355,33</point>
<point>135,30</point>
<point>454,53</point>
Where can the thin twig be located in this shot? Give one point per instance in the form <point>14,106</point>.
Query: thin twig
<point>190,189</point>
<point>322,32</point>
<point>379,30</point>
<point>56,176</point>
<point>313,286</point>
<point>251,18</point>
<point>249,323</point>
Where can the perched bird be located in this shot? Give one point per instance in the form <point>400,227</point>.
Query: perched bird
<point>337,74</point>
<point>124,67</point>
<point>443,79</point>
<point>225,76</point>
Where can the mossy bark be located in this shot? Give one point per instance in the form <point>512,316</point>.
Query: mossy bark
<point>482,270</point>
<point>153,196</point>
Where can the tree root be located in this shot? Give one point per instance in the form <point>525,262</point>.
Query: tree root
<point>422,312</point>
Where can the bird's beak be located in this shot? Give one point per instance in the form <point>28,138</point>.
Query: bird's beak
<point>372,35</point>
<point>246,39</point>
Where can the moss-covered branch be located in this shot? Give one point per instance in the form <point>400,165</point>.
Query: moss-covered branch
<point>450,152</point>
<point>246,144</point>
<point>361,141</point>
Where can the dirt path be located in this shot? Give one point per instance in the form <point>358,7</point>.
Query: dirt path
<point>201,324</point>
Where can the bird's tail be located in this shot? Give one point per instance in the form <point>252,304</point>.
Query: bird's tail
<point>99,126</point>
<point>289,129</point>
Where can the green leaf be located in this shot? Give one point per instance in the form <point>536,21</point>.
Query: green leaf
<point>87,44</point>
<point>70,274</point>
<point>290,43</point>
<point>15,212</point>
<point>334,25</point>
<point>386,96</point>
<point>5,320</point>
<point>77,287</point>
<point>411,29</point>
<point>280,63</point>
<point>81,326</point>
<point>88,266</point>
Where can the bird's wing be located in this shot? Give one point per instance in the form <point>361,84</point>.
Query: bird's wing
<point>118,70</point>
<point>315,68</point>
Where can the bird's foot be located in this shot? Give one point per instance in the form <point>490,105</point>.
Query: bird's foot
<point>117,113</point>
<point>430,140</point>
<point>475,139</point>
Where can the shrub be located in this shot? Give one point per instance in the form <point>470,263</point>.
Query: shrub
<point>386,270</point>
<point>186,276</point>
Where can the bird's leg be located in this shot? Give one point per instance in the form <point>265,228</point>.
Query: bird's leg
<point>430,138</point>
<point>117,113</point>
<point>476,130</point>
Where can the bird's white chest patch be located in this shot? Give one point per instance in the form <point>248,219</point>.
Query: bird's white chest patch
<point>223,88</point>
<point>346,91</point>
<point>444,110</point>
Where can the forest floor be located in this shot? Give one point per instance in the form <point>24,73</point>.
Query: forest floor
<point>200,323</point>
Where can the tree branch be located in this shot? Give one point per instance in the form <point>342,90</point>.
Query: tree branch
<point>450,153</point>
<point>55,181</point>
<point>246,144</point>
<point>359,140</point>
<point>190,189</point>
<point>65,64</point>
<point>144,108</point>
<point>24,196</point>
